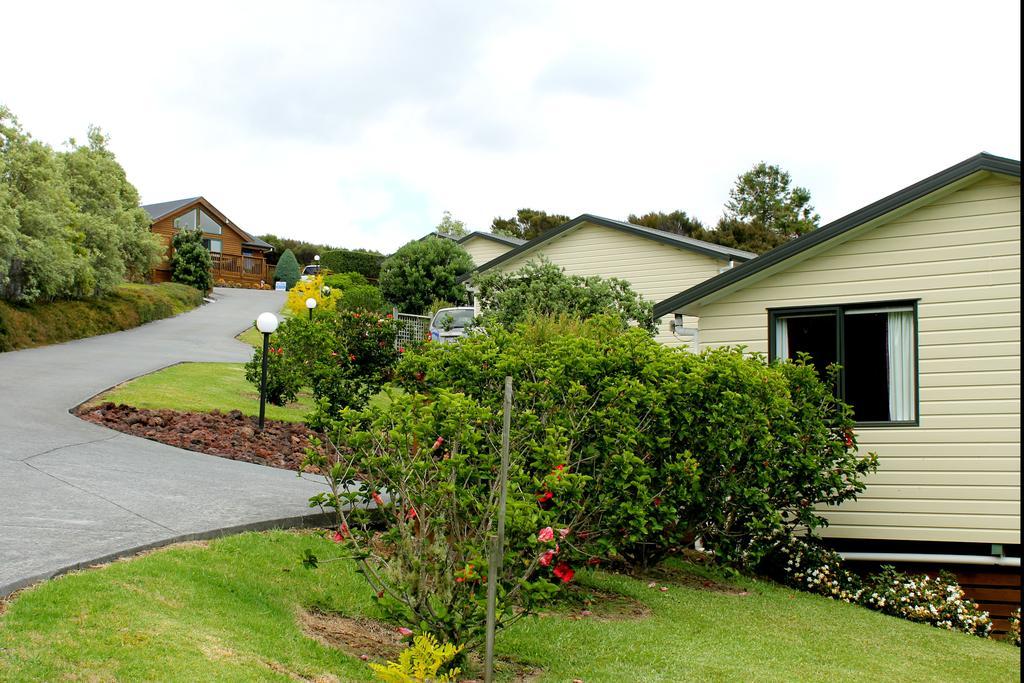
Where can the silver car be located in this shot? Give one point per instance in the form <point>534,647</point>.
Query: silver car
<point>449,324</point>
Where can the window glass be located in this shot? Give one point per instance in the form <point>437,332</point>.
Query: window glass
<point>215,246</point>
<point>875,348</point>
<point>186,221</point>
<point>207,223</point>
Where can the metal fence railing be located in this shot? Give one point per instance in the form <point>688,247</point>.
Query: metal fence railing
<point>411,328</point>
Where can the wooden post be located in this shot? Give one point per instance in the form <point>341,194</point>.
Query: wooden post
<point>498,548</point>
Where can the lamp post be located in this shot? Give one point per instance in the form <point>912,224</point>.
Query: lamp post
<point>265,323</point>
<point>316,261</point>
<point>311,304</point>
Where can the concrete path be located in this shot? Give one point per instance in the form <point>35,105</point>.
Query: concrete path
<point>73,493</point>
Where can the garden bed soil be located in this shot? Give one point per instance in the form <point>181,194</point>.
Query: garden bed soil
<point>229,435</point>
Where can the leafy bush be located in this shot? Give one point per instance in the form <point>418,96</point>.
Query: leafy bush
<point>435,457</point>
<point>425,661</point>
<point>70,224</point>
<point>362,298</point>
<point>283,379</point>
<point>326,299</point>
<point>287,270</point>
<point>345,358</point>
<point>128,306</point>
<point>423,271</point>
<point>343,281</point>
<point>540,288</point>
<point>1014,633</point>
<point>366,263</point>
<point>191,263</point>
<point>672,445</point>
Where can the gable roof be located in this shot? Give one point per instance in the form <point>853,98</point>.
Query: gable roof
<point>164,209</point>
<point>980,163</point>
<point>671,239</point>
<point>502,239</point>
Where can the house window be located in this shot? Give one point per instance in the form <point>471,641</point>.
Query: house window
<point>214,246</point>
<point>875,346</point>
<point>207,224</point>
<point>186,221</point>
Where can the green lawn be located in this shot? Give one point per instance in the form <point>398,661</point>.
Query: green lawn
<point>201,387</point>
<point>252,337</point>
<point>227,612</point>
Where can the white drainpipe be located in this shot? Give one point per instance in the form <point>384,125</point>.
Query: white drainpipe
<point>924,558</point>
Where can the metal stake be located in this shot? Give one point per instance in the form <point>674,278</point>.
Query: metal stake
<point>498,549</point>
<point>263,378</point>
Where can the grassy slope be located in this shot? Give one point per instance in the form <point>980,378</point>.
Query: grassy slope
<point>130,305</point>
<point>228,613</point>
<point>201,387</point>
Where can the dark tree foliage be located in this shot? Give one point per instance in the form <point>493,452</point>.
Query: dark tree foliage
<point>676,222</point>
<point>422,272</point>
<point>764,195</point>
<point>303,251</point>
<point>745,235</point>
<point>287,269</point>
<point>191,263</point>
<point>527,224</point>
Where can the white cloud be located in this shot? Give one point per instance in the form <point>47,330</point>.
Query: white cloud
<point>359,123</point>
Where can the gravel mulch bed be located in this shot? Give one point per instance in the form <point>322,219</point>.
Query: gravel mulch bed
<point>226,435</point>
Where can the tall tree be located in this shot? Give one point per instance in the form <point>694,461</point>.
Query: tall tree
<point>287,269</point>
<point>764,195</point>
<point>423,271</point>
<point>191,263</point>
<point>676,222</point>
<point>451,226</point>
<point>527,224</point>
<point>746,235</point>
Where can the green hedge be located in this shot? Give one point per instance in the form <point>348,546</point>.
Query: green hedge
<point>365,263</point>
<point>129,305</point>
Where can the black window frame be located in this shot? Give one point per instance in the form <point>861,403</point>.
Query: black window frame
<point>839,310</point>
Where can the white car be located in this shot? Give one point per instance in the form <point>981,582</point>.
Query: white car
<point>308,272</point>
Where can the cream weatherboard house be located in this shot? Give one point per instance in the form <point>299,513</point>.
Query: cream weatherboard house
<point>917,296</point>
<point>486,246</point>
<point>654,262</point>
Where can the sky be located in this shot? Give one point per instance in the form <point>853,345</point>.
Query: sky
<point>356,124</point>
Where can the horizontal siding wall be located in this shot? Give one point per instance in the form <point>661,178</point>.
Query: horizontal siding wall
<point>656,271</point>
<point>956,477</point>
<point>482,250</point>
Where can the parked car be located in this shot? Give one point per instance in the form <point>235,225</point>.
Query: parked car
<point>450,324</point>
<point>309,271</point>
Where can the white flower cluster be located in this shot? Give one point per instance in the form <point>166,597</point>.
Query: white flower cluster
<point>938,601</point>
<point>1014,633</point>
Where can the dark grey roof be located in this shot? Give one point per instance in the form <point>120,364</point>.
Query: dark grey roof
<point>161,209</point>
<point>257,242</point>
<point>979,163</point>
<point>504,239</point>
<point>671,239</point>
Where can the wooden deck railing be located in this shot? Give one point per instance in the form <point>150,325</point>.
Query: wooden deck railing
<point>234,267</point>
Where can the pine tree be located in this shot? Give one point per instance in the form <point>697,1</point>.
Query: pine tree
<point>191,263</point>
<point>287,269</point>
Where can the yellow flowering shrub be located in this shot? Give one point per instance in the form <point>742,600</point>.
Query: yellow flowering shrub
<point>326,299</point>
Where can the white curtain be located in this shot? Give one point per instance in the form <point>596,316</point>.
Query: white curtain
<point>901,365</point>
<point>782,338</point>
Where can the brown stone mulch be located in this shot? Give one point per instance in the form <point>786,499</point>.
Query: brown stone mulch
<point>226,435</point>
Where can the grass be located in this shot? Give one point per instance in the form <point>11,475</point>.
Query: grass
<point>227,612</point>
<point>202,387</point>
<point>129,305</point>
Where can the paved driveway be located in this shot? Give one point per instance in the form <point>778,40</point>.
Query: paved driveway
<point>72,493</point>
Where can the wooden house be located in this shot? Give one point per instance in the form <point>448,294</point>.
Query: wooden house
<point>238,257</point>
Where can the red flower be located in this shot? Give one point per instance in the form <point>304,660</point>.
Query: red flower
<point>559,467</point>
<point>437,444</point>
<point>341,534</point>
<point>352,357</point>
<point>546,534</point>
<point>564,572</point>
<point>656,501</point>
<point>562,533</point>
<point>545,497</point>
<point>546,559</point>
<point>401,349</point>
<point>389,316</point>
<point>848,438</point>
<point>459,579</point>
<point>355,315</point>
<point>376,498</point>
<point>411,514</point>
<point>594,561</point>
<point>405,633</point>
